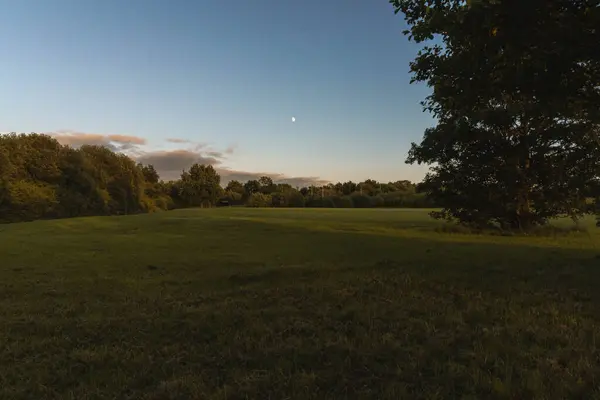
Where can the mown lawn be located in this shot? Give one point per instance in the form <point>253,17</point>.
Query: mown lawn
<point>296,304</point>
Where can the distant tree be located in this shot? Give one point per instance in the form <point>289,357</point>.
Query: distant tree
<point>279,199</point>
<point>259,200</point>
<point>296,199</point>
<point>344,202</point>
<point>233,198</point>
<point>349,187</point>
<point>265,181</point>
<point>200,186</point>
<point>370,187</point>
<point>266,185</point>
<point>120,176</point>
<point>252,186</point>
<point>360,200</point>
<point>82,191</point>
<point>150,174</point>
<point>235,186</point>
<point>516,105</point>
<point>377,201</point>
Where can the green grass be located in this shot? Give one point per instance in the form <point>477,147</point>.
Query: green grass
<point>299,304</point>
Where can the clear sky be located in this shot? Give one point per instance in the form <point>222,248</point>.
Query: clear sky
<point>225,74</point>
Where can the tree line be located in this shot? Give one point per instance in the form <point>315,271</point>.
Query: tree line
<point>40,179</point>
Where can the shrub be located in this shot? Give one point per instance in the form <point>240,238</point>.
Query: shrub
<point>377,201</point>
<point>296,200</point>
<point>259,200</point>
<point>361,200</point>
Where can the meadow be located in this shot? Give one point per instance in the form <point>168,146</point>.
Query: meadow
<point>240,303</point>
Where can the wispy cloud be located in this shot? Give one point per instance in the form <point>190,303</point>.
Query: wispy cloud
<point>127,139</point>
<point>123,143</point>
<point>176,140</point>
<point>230,149</point>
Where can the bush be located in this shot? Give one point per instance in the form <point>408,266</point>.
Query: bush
<point>296,200</point>
<point>164,202</point>
<point>377,201</point>
<point>361,200</point>
<point>406,199</point>
<point>346,202</point>
<point>279,199</point>
<point>314,202</point>
<point>28,201</point>
<point>327,202</point>
<point>342,202</point>
<point>259,200</point>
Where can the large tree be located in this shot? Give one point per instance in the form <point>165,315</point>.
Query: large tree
<point>516,95</point>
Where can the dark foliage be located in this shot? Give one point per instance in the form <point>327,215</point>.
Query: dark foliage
<point>516,93</point>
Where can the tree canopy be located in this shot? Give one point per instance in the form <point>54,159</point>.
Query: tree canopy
<point>516,94</point>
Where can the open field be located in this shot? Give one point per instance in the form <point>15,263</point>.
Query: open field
<point>283,303</point>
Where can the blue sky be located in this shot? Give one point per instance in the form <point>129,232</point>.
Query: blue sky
<point>220,75</point>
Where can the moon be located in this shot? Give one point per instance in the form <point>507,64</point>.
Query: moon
<point>293,119</point>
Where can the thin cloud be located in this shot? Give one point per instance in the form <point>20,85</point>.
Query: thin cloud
<point>176,140</point>
<point>230,149</point>
<point>127,139</point>
<point>216,154</point>
<point>113,142</point>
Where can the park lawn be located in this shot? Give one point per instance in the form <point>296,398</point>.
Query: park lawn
<point>302,304</point>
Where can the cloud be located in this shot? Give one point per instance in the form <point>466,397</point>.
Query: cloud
<point>216,154</point>
<point>124,143</point>
<point>77,139</point>
<point>175,140</point>
<point>127,139</point>
<point>169,164</point>
<point>230,149</point>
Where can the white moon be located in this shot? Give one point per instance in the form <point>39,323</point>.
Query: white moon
<point>293,119</point>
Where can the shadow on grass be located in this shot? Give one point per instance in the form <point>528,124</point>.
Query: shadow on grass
<point>494,263</point>
<point>305,313</point>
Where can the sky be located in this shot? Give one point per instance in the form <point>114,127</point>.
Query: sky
<point>176,82</point>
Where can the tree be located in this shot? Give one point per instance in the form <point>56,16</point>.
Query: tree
<point>349,187</point>
<point>259,200</point>
<point>236,187</point>
<point>200,186</point>
<point>266,185</point>
<point>516,88</point>
<point>120,176</point>
<point>150,174</point>
<point>251,187</point>
<point>370,187</point>
<point>296,199</point>
<point>80,192</point>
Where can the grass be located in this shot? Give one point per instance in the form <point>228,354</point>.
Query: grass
<point>302,304</point>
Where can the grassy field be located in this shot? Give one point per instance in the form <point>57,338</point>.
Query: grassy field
<point>294,304</point>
